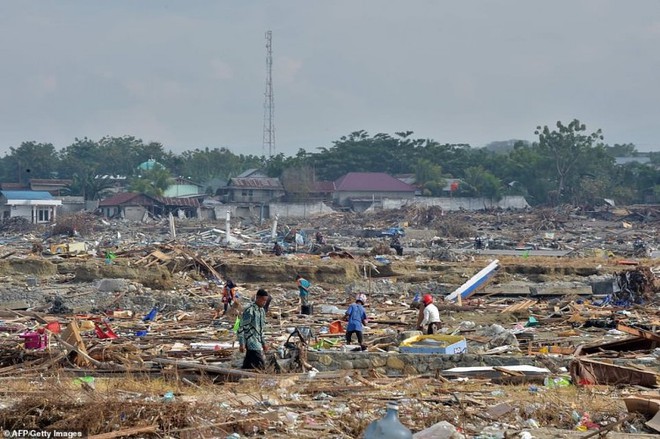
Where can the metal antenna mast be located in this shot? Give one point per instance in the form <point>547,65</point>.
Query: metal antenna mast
<point>269,101</point>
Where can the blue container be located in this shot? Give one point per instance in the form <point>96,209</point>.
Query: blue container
<point>452,344</point>
<point>389,426</point>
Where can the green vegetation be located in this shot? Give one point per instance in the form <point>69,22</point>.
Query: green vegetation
<point>567,164</point>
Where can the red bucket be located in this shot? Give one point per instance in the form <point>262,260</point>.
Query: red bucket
<point>336,327</point>
<point>54,327</point>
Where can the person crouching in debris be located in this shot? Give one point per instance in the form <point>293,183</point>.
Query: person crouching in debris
<point>395,243</point>
<point>277,249</point>
<point>431,316</point>
<point>251,332</point>
<point>228,295</point>
<point>303,289</point>
<point>356,318</point>
<point>320,239</point>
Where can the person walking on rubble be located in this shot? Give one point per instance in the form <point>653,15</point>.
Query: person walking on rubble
<point>356,318</point>
<point>228,295</point>
<point>431,316</point>
<point>250,332</point>
<point>395,243</point>
<point>303,289</point>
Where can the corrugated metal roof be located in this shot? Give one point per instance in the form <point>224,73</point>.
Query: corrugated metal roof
<point>179,202</point>
<point>15,186</point>
<point>256,183</point>
<point>252,173</point>
<point>50,181</point>
<point>371,181</point>
<point>125,197</point>
<point>118,199</point>
<point>27,195</point>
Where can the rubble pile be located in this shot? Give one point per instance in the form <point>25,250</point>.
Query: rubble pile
<point>119,330</point>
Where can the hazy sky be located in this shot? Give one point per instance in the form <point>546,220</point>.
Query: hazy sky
<point>191,74</point>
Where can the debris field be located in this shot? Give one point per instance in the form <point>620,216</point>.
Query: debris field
<point>549,325</point>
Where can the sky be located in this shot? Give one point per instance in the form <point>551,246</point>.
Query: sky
<point>192,74</point>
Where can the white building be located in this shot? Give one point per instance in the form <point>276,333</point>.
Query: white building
<point>36,206</point>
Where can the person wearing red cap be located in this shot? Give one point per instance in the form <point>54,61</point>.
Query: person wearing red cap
<point>431,316</point>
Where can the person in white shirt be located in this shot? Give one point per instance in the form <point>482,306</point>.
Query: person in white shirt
<point>431,316</point>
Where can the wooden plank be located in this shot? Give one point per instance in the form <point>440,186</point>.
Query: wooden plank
<point>71,338</point>
<point>638,332</point>
<point>235,373</point>
<point>126,432</point>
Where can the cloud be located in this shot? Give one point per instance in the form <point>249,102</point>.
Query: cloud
<point>221,70</point>
<point>43,85</point>
<point>155,89</point>
<point>288,69</point>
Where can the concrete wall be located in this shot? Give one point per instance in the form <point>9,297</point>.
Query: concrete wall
<point>395,364</point>
<point>71,205</point>
<point>258,195</point>
<point>134,213</point>
<point>342,197</point>
<point>305,210</point>
<point>181,190</point>
<point>26,212</point>
<point>299,210</point>
<point>456,203</point>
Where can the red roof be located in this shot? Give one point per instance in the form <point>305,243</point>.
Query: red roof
<point>118,199</point>
<point>13,186</point>
<point>50,181</point>
<point>371,181</point>
<point>324,186</point>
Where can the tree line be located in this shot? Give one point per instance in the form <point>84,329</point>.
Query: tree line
<point>567,164</point>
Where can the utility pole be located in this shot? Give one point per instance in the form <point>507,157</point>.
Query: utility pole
<point>269,101</point>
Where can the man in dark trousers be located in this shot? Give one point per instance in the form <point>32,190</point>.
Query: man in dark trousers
<point>395,243</point>
<point>251,332</point>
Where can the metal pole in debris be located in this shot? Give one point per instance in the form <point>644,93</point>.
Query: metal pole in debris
<point>172,226</point>
<point>228,227</point>
<point>273,231</point>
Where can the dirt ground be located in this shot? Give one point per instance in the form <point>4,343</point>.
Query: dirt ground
<point>40,389</point>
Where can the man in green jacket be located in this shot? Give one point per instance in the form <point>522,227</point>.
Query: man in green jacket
<point>251,332</point>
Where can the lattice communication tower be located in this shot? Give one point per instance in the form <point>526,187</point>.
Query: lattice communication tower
<point>269,101</point>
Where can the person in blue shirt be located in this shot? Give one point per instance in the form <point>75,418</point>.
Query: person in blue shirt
<point>356,318</point>
<point>303,289</point>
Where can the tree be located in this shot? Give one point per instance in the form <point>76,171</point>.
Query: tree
<point>429,177</point>
<point>624,150</point>
<point>88,184</point>
<point>483,183</point>
<point>30,160</point>
<point>566,146</point>
<point>359,152</point>
<point>151,182</point>
<point>298,182</point>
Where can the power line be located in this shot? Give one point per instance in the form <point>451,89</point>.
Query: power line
<point>269,101</point>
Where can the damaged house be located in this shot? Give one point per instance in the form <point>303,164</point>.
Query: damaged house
<point>137,207</point>
<point>361,190</point>
<point>36,206</point>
